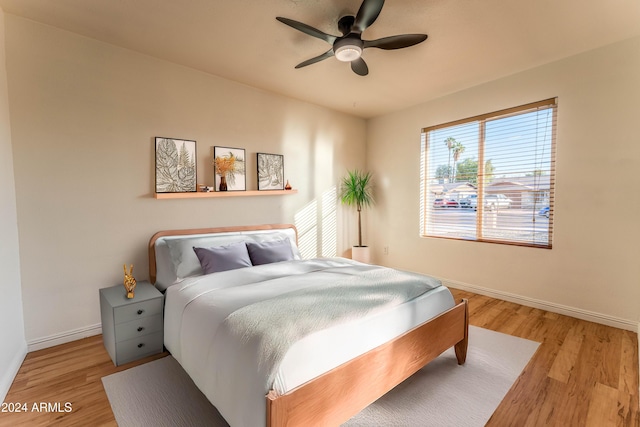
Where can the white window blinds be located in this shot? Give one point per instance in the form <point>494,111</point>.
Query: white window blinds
<point>491,178</point>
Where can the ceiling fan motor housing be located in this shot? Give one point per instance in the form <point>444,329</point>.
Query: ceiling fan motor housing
<point>348,48</point>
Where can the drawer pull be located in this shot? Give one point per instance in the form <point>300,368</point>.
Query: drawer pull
<point>141,345</point>
<point>140,328</point>
<point>140,312</point>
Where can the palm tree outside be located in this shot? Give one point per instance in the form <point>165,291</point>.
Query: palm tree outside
<point>450,143</point>
<point>457,149</point>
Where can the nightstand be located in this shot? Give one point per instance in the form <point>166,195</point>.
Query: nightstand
<point>131,328</point>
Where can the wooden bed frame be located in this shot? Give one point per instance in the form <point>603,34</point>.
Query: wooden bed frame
<point>337,395</point>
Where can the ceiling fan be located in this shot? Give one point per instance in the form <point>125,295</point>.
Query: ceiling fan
<point>349,46</point>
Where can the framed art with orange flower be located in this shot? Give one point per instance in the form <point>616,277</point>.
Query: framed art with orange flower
<point>229,169</point>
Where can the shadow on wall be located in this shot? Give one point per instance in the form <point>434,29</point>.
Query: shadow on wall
<point>317,226</point>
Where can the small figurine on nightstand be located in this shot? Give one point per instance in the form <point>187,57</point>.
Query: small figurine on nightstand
<point>129,281</point>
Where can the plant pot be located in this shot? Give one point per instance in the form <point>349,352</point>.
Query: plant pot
<point>361,253</point>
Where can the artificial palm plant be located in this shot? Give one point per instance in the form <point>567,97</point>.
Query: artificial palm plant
<point>356,190</point>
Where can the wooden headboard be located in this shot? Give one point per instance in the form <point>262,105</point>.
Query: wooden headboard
<point>191,231</point>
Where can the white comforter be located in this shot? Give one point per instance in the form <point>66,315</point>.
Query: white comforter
<point>231,331</point>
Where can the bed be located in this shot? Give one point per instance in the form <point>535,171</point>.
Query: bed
<point>227,322</point>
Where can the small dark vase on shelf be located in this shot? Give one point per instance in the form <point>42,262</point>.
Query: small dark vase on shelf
<point>288,186</point>
<point>223,183</point>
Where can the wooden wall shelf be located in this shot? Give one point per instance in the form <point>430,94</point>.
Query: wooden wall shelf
<point>204,195</point>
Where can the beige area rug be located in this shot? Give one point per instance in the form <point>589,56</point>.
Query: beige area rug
<point>442,394</point>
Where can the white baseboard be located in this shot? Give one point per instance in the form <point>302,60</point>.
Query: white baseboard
<point>578,313</point>
<point>64,337</point>
<point>11,371</point>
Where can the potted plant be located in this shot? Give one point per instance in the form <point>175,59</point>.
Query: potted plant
<point>356,191</point>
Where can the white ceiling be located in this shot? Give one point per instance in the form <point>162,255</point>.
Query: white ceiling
<point>470,41</point>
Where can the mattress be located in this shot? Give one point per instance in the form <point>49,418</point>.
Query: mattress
<point>197,307</point>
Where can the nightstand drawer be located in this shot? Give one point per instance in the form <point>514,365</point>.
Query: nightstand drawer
<point>135,348</point>
<point>138,327</point>
<point>138,310</point>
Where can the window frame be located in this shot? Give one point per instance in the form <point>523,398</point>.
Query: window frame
<point>425,209</point>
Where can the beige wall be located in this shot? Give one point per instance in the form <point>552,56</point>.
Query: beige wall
<point>14,346</point>
<point>83,117</point>
<point>594,266</point>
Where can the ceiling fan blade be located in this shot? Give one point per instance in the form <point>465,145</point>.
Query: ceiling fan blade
<point>396,42</point>
<point>307,29</point>
<point>367,14</point>
<point>327,54</point>
<point>359,67</point>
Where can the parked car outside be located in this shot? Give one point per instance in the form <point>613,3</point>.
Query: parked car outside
<point>544,212</point>
<point>441,202</point>
<point>493,201</point>
<point>469,202</point>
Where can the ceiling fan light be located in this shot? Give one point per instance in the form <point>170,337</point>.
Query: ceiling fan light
<point>348,52</point>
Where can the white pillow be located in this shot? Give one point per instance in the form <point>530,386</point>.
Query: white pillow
<point>176,260</point>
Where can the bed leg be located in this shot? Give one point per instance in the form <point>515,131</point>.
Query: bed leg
<point>461,347</point>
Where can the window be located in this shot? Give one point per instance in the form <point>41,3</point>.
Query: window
<point>491,178</point>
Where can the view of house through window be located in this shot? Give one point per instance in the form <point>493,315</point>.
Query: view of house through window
<point>491,177</point>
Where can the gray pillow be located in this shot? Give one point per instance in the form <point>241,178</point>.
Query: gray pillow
<point>223,258</point>
<point>268,252</point>
<point>184,260</point>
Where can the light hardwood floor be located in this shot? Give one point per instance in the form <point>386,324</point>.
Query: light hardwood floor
<point>583,374</point>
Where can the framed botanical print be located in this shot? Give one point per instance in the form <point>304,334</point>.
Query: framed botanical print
<point>270,171</point>
<point>175,165</point>
<point>229,169</point>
